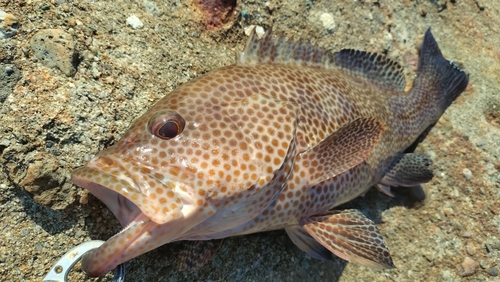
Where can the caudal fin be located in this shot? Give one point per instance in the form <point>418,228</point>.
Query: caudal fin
<point>439,81</point>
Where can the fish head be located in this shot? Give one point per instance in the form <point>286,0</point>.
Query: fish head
<point>191,155</point>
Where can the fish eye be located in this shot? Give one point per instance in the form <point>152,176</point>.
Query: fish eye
<point>166,125</point>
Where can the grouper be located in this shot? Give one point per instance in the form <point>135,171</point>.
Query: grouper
<point>275,141</point>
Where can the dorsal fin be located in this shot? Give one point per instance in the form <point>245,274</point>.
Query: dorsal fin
<point>375,67</point>
<point>281,51</point>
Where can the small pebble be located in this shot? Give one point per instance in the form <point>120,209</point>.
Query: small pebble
<point>492,271</point>
<point>38,246</point>
<point>469,267</point>
<point>258,30</point>
<point>481,143</point>
<point>245,14</point>
<point>489,248</point>
<point>470,249</point>
<point>134,22</point>
<point>467,234</point>
<point>467,174</point>
<point>327,21</point>
<point>8,25</point>
<point>9,70</point>
<point>151,8</point>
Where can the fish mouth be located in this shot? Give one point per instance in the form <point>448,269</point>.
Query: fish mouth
<point>147,225</point>
<point>123,209</point>
<point>99,261</point>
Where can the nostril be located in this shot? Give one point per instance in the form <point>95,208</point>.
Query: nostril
<point>131,138</point>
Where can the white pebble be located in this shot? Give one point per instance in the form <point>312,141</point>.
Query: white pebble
<point>327,21</point>
<point>258,30</point>
<point>134,22</point>
<point>467,173</point>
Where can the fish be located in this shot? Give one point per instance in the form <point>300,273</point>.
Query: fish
<point>277,140</point>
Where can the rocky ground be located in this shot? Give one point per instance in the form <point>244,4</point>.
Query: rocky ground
<point>74,74</point>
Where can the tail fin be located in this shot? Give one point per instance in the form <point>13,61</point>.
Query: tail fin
<point>439,81</point>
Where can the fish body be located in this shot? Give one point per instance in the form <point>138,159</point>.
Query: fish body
<point>274,141</point>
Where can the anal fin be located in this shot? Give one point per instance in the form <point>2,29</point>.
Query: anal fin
<point>351,236</point>
<point>342,150</point>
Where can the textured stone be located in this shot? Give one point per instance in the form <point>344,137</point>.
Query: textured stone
<point>9,75</point>
<point>8,25</point>
<point>469,266</point>
<point>56,49</point>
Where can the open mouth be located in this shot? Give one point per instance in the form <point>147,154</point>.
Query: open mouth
<point>98,183</point>
<point>113,191</point>
<point>152,211</point>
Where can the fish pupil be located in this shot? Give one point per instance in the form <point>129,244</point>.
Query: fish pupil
<point>169,130</point>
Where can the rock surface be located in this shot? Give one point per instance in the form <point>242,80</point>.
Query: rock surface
<point>55,48</point>
<point>9,25</point>
<point>51,123</point>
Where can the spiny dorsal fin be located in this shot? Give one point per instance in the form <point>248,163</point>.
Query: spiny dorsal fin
<point>281,51</point>
<point>373,66</point>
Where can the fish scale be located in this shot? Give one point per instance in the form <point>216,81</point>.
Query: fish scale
<point>274,141</point>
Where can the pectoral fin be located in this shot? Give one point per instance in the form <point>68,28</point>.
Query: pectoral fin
<point>409,170</point>
<point>308,244</point>
<point>351,236</point>
<point>342,150</point>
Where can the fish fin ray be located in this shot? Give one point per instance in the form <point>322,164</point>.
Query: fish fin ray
<point>308,244</point>
<point>196,254</point>
<point>280,50</point>
<point>438,81</point>
<point>351,236</point>
<point>342,150</point>
<point>375,67</point>
<point>409,170</point>
<point>385,189</point>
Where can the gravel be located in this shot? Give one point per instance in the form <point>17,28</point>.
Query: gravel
<point>52,122</point>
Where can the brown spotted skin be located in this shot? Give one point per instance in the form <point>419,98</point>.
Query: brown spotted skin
<point>238,165</point>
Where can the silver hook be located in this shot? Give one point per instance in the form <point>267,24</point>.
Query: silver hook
<point>59,272</point>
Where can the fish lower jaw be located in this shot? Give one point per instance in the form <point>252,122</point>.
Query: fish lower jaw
<point>123,246</point>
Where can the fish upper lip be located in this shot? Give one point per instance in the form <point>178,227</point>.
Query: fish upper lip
<point>123,209</point>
